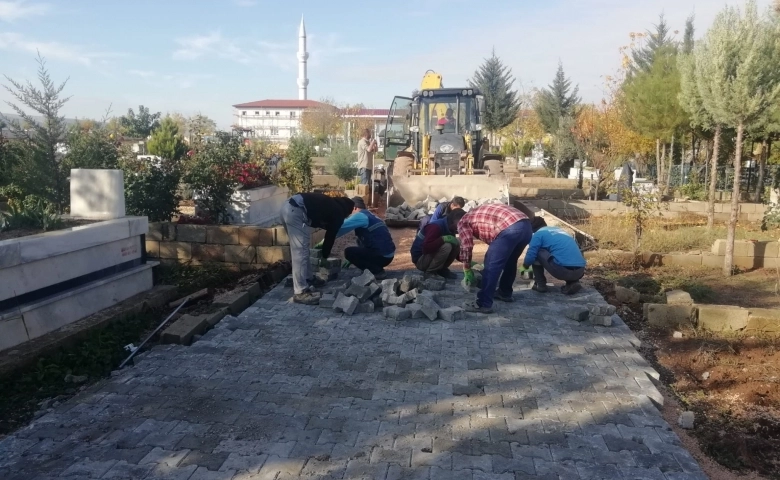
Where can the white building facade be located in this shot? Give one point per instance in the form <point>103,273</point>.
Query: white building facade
<point>275,120</point>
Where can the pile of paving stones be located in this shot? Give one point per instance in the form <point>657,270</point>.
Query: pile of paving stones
<point>428,206</point>
<point>597,314</point>
<point>412,297</point>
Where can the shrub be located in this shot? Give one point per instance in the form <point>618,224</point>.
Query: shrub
<point>211,173</point>
<point>693,190</point>
<point>250,175</point>
<point>342,163</point>
<point>151,188</point>
<point>295,172</point>
<point>34,212</point>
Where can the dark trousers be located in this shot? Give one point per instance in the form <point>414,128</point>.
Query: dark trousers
<point>438,261</point>
<point>366,259</point>
<point>501,261</point>
<point>545,262</point>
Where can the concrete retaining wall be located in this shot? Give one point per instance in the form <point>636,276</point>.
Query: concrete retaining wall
<point>579,209</point>
<point>243,247</point>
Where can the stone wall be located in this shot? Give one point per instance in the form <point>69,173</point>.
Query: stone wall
<point>581,209</point>
<point>244,247</point>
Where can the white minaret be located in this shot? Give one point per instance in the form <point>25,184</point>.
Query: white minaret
<point>303,55</point>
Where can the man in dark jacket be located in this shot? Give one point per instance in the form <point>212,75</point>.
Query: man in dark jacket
<point>442,210</point>
<point>313,210</point>
<point>435,246</point>
<point>375,248</point>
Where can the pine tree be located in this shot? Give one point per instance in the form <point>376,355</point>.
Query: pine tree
<point>659,40</point>
<point>688,40</point>
<point>166,141</point>
<point>502,104</point>
<point>739,82</point>
<point>557,101</point>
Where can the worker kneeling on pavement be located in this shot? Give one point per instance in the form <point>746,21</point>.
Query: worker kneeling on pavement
<point>435,246</point>
<point>554,250</point>
<point>507,232</point>
<point>375,248</point>
<point>317,211</point>
<point>442,210</point>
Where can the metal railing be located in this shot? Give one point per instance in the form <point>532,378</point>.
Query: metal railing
<point>685,174</point>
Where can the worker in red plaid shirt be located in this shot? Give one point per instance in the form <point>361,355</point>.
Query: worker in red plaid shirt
<point>507,231</point>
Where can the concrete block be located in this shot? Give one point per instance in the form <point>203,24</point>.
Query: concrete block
<point>719,318</point>
<point>241,254</point>
<point>345,304</point>
<point>14,332</point>
<point>214,318</point>
<point>451,314</point>
<point>271,255</point>
<point>433,284</point>
<point>719,247</point>
<point>601,320</point>
<point>176,250</point>
<point>764,320</point>
<point>359,292</point>
<point>191,233</point>
<point>747,263</point>
<point>390,286</point>
<point>410,281</point>
<point>329,274</point>
<point>205,252</point>
<point>683,260</point>
<point>626,295</point>
<point>235,302</point>
<point>315,254</point>
<point>411,295</point>
<point>259,237</point>
<point>744,248</point>
<point>686,420</point>
<point>762,249</point>
<point>327,300</point>
<point>668,316</point>
<point>416,310</point>
<point>281,237</point>
<point>678,297</point>
<point>712,261</point>
<point>222,234</point>
<point>579,314</point>
<point>374,290</point>
<point>396,300</point>
<point>155,232</point>
<point>333,263</point>
<point>254,292</point>
<point>397,313</point>
<point>365,307</point>
<point>601,309</point>
<point>429,307</point>
<point>182,330</point>
<point>365,279</point>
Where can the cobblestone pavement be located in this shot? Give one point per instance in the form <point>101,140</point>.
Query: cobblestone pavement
<point>286,391</point>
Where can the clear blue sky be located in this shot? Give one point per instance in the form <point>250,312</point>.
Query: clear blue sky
<point>205,55</point>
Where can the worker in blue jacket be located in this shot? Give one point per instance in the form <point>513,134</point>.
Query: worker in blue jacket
<point>554,250</point>
<point>375,248</point>
<point>441,211</point>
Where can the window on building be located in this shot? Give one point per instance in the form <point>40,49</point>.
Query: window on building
<point>274,131</point>
<point>292,114</point>
<point>257,113</point>
<point>243,112</point>
<point>267,113</point>
<point>277,114</point>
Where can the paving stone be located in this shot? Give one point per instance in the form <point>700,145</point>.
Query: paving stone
<point>579,314</point>
<point>396,300</point>
<point>451,314</point>
<point>365,307</point>
<point>211,461</point>
<point>390,286</point>
<point>345,304</point>
<point>365,279</point>
<point>397,313</point>
<point>359,292</point>
<point>416,310</point>
<point>433,284</point>
<point>601,320</point>
<point>123,470</point>
<point>327,300</point>
<point>429,307</point>
<point>409,282</point>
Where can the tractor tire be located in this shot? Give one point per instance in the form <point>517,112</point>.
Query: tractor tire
<point>402,164</point>
<point>495,167</point>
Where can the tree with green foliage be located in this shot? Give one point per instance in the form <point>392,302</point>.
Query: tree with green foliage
<point>691,101</point>
<point>557,101</point>
<point>689,36</point>
<point>295,171</point>
<point>655,42</point>
<point>141,125</point>
<point>89,145</point>
<point>739,82</point>
<point>342,162</point>
<point>40,172</point>
<point>495,81</point>
<point>166,141</point>
<point>564,148</point>
<point>199,126</point>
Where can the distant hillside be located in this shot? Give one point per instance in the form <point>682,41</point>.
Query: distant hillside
<point>6,131</point>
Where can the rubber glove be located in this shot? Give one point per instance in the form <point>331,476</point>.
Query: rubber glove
<point>450,239</point>
<point>319,245</point>
<point>346,264</point>
<point>468,276</point>
<point>524,269</point>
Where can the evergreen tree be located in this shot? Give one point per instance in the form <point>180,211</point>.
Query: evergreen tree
<point>739,82</point>
<point>557,101</point>
<point>141,125</point>
<point>166,141</point>
<point>688,39</point>
<point>495,80</point>
<point>659,40</point>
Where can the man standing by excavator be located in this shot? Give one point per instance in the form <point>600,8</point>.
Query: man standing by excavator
<point>507,231</point>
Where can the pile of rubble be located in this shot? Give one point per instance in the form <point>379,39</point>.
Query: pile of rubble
<point>428,206</point>
<point>411,297</point>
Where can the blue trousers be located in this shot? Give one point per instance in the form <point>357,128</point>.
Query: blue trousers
<point>501,261</point>
<point>365,176</point>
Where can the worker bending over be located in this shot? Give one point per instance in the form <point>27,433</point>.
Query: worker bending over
<point>554,250</point>
<point>435,246</point>
<point>317,211</point>
<point>507,231</point>
<point>375,248</point>
<point>442,210</point>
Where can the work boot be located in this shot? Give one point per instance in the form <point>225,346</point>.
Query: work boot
<point>446,273</point>
<point>316,282</point>
<point>473,307</point>
<point>307,298</point>
<point>572,288</point>
<point>539,287</point>
<point>504,298</point>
